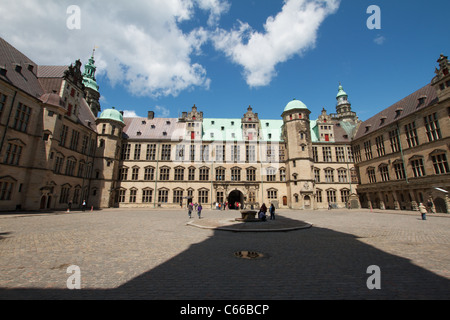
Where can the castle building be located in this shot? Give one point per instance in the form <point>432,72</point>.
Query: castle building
<point>58,147</point>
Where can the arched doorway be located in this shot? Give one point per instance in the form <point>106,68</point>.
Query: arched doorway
<point>236,197</point>
<point>439,205</point>
<point>307,201</point>
<point>43,203</point>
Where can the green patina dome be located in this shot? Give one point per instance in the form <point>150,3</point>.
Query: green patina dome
<point>295,104</point>
<point>89,80</point>
<point>341,92</point>
<point>112,114</point>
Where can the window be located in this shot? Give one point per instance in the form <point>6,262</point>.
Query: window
<point>270,153</point>
<point>319,196</point>
<point>81,169</point>
<point>21,118</point>
<point>165,152</point>
<point>203,196</point>
<point>326,154</point>
<point>271,174</point>
<point>179,175</point>
<point>205,153</point>
<point>340,155</point>
<point>315,154</point>
<point>164,174</point>
<point>133,193</point>
<point>179,153</point>
<point>192,153</point>
<point>220,197</point>
<point>418,168</point>
<point>147,195</point>
<point>380,146</point>
<point>331,196</point>
<point>6,189</point>
<point>126,151</point>
<point>357,153</point>
<point>345,194</point>
<point>371,175</point>
<point>70,166</point>
<point>135,174</point>
<point>177,196</point>
<point>250,154</point>
<point>74,140</point>
<point>151,152</point>
<point>204,174</point>
<point>13,154</point>
<point>394,139</point>
<point>251,174</point>
<point>122,194</point>
<point>329,175</point>
<point>163,196</point>
<point>368,149</point>
<point>65,193</point>
<point>220,174</point>
<point>272,194</point>
<point>123,174</point>
<point>317,175</point>
<point>235,174</point>
<point>63,136</point>
<point>251,197</point>
<point>342,175</point>
<point>282,175</point>
<point>191,174</point>
<point>235,153</point>
<point>432,127</point>
<point>137,152</point>
<point>440,163</point>
<point>399,169</point>
<point>384,171</point>
<point>411,134</point>
<point>59,163</point>
<point>220,153</point>
<point>350,154</point>
<point>149,174</point>
<point>2,104</point>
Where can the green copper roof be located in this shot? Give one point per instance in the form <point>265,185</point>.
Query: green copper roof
<point>112,114</point>
<point>341,92</point>
<point>222,130</point>
<point>89,80</point>
<point>295,104</point>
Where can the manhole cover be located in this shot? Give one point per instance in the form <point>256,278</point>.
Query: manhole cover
<point>248,255</point>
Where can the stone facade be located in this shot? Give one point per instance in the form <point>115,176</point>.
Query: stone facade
<point>57,149</point>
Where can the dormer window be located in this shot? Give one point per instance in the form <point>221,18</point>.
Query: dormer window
<point>153,126</point>
<point>164,133</point>
<point>232,123</point>
<point>382,120</point>
<point>168,122</point>
<point>398,112</point>
<point>144,122</point>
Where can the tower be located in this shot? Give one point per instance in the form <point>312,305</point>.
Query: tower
<point>441,82</point>
<point>91,86</point>
<point>299,166</point>
<point>343,106</point>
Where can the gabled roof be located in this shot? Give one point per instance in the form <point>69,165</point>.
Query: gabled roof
<point>154,129</point>
<point>20,70</point>
<point>399,110</point>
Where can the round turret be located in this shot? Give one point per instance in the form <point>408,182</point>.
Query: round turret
<point>112,114</point>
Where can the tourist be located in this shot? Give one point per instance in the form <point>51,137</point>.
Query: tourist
<point>272,212</point>
<point>190,208</point>
<point>262,215</point>
<point>423,211</point>
<point>84,205</point>
<point>199,210</point>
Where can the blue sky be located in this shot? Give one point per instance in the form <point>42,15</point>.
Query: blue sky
<point>166,58</point>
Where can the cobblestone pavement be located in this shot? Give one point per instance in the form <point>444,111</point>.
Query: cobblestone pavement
<point>154,254</point>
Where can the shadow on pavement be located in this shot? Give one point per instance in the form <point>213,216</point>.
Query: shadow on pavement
<point>315,263</point>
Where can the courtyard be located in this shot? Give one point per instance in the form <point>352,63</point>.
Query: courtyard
<point>156,254</point>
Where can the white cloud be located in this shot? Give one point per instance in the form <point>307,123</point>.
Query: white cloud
<point>379,40</point>
<point>291,32</point>
<point>162,112</point>
<point>130,114</point>
<point>140,42</point>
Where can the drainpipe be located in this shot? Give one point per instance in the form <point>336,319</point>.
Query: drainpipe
<point>156,175</point>
<point>7,122</point>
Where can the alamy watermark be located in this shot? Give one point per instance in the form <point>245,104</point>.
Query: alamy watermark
<point>374,21</point>
<point>73,21</point>
<point>374,281</point>
<point>74,280</point>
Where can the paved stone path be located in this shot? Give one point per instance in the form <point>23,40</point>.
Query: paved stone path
<point>154,254</point>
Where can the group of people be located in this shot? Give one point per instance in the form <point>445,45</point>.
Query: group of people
<point>197,207</point>
<point>263,211</point>
<point>227,206</point>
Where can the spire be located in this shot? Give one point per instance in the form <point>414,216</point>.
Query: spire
<point>89,73</point>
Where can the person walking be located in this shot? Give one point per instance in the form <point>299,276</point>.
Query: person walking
<point>199,210</point>
<point>423,211</point>
<point>190,208</point>
<point>272,212</point>
<point>84,205</point>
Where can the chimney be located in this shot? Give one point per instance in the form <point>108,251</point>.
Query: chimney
<point>151,115</point>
